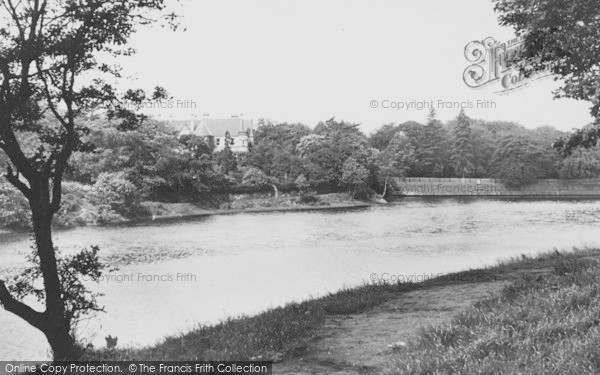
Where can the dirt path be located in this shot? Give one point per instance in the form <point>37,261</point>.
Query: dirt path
<point>363,343</point>
<point>360,344</point>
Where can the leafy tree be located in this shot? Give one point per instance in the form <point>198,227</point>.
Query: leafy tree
<point>283,134</point>
<point>286,166</point>
<point>196,146</point>
<point>462,147</point>
<point>78,299</point>
<point>586,137</point>
<point>226,159</point>
<point>47,46</point>
<point>15,211</point>
<point>483,148</point>
<point>415,133</point>
<point>433,153</point>
<point>320,160</point>
<point>394,160</point>
<point>310,143</point>
<point>302,183</point>
<point>582,163</point>
<point>353,176</point>
<point>150,155</point>
<point>332,143</point>
<point>114,188</point>
<point>381,137</point>
<point>518,161</point>
<point>275,150</point>
<point>561,36</point>
<point>256,177</point>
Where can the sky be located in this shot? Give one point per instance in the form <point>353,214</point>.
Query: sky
<point>307,61</point>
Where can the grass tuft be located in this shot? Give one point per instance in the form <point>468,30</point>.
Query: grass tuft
<point>538,324</point>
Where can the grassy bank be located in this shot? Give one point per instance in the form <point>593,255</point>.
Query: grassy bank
<point>273,335</point>
<point>555,311</point>
<point>544,324</point>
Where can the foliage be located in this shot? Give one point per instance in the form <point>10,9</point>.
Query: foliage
<point>306,198</point>
<point>320,161</point>
<point>483,144</point>
<point>582,163</point>
<point>196,146</point>
<point>462,148</point>
<point>79,207</point>
<point>560,36</point>
<point>45,48</point>
<point>275,150</point>
<point>302,183</point>
<point>76,269</point>
<point>226,159</point>
<point>151,156</point>
<point>518,161</point>
<point>395,160</point>
<point>434,148</point>
<point>586,137</point>
<point>381,137</point>
<point>286,166</point>
<point>325,151</point>
<point>114,188</point>
<point>155,160</point>
<point>354,175</point>
<point>256,177</point>
<point>14,209</point>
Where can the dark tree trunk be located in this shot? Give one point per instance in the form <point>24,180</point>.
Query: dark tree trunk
<point>56,324</point>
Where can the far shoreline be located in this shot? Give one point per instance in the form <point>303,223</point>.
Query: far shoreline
<point>177,211</point>
<point>223,212</point>
<point>502,196</point>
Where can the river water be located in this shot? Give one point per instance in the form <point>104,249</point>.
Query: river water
<point>173,276</point>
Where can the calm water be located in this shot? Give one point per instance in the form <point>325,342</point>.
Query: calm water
<point>244,264</point>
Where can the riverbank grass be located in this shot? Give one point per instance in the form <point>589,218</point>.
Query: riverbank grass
<point>552,302</point>
<point>545,323</point>
<point>283,332</point>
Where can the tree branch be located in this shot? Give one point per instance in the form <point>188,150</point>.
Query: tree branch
<point>14,179</point>
<point>20,309</point>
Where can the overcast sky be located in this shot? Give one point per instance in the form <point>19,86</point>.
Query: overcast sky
<point>307,61</point>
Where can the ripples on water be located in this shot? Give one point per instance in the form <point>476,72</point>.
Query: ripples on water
<point>247,263</point>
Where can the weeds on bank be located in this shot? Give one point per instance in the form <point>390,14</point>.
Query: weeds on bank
<point>540,324</point>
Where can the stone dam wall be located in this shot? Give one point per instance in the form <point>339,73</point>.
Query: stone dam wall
<point>449,187</point>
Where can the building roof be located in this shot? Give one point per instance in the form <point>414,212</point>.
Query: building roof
<point>213,127</point>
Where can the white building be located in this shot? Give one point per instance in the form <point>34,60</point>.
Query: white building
<point>241,132</point>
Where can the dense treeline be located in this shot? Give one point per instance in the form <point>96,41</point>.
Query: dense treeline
<point>341,153</point>
<point>152,158</point>
<point>121,167</point>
